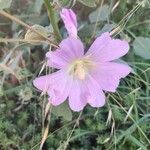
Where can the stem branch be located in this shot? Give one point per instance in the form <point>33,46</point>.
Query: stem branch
<point>13,18</point>
<point>52,18</point>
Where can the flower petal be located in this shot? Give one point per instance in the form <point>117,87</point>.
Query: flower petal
<point>44,82</point>
<point>108,75</point>
<point>106,49</point>
<point>98,44</point>
<point>70,21</point>
<point>57,59</point>
<point>69,50</point>
<point>77,96</point>
<point>57,85</point>
<point>59,90</point>
<point>96,96</point>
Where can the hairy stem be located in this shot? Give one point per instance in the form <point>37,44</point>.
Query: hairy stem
<point>51,14</point>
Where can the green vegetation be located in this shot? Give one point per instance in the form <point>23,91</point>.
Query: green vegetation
<point>123,123</point>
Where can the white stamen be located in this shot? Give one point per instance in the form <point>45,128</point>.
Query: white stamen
<point>80,68</point>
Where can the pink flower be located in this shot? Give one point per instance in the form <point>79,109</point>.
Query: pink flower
<point>83,78</point>
<point>70,21</point>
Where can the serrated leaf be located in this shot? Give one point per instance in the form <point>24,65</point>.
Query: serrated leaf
<point>141,47</point>
<point>5,4</point>
<point>100,14</point>
<point>63,110</point>
<point>89,3</point>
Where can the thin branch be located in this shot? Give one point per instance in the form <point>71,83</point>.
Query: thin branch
<point>13,18</point>
<point>5,40</point>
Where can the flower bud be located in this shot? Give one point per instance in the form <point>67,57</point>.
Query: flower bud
<point>31,35</point>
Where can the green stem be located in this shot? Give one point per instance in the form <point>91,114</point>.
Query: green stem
<point>51,14</point>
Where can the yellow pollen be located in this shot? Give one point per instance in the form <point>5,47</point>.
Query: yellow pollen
<point>79,68</point>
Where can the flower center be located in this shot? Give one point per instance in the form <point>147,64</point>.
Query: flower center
<point>80,68</point>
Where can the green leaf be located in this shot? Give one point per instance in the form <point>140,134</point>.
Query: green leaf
<point>106,28</point>
<point>100,14</point>
<point>86,31</point>
<point>22,73</point>
<point>136,142</point>
<point>63,110</point>
<point>89,3</point>
<point>131,129</point>
<point>66,3</point>
<point>38,6</point>
<point>141,47</point>
<point>5,4</point>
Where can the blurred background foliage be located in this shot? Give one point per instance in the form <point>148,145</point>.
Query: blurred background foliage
<point>123,123</point>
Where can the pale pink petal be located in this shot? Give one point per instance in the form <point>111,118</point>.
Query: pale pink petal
<point>77,96</point>
<point>108,75</point>
<point>100,42</point>
<point>41,82</point>
<point>74,47</point>
<point>59,90</point>
<point>105,49</point>
<point>70,21</point>
<point>96,97</point>
<point>44,82</point>
<point>69,50</point>
<point>57,59</point>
